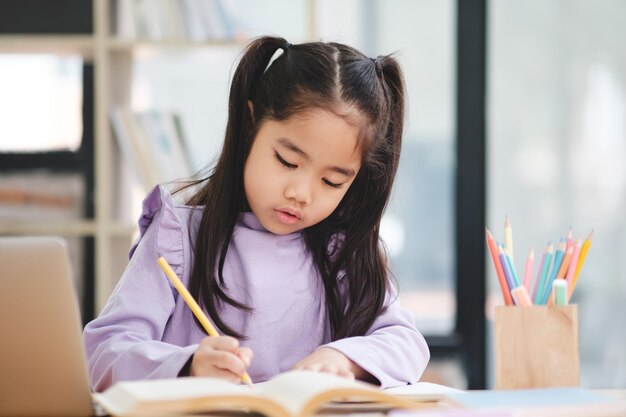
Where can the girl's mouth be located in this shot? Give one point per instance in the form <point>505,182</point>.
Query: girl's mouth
<point>286,217</point>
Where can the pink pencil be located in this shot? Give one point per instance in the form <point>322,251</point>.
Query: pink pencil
<point>529,269</point>
<point>571,269</point>
<point>538,279</point>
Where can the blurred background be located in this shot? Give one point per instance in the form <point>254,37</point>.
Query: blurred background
<point>515,108</point>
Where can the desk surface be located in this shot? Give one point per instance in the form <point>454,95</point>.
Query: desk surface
<point>610,408</point>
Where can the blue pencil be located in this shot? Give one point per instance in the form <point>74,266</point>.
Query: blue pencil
<point>545,268</point>
<point>558,258</point>
<point>506,269</point>
<point>513,273</point>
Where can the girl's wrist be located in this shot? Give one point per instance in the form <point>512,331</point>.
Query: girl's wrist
<point>361,374</point>
<point>186,369</point>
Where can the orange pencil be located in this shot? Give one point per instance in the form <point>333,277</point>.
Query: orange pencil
<point>506,292</point>
<point>565,263</point>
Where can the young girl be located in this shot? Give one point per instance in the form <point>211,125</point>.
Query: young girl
<point>280,245</point>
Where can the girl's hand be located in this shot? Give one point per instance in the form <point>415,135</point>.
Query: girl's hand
<point>220,357</point>
<point>333,362</point>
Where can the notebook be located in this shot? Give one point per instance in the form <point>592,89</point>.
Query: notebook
<point>41,355</point>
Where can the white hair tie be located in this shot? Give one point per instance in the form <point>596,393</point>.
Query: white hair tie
<point>276,55</point>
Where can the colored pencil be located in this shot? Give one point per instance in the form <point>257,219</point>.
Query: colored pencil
<point>558,258</point>
<point>571,269</point>
<point>506,292</point>
<point>542,271</point>
<point>581,260</point>
<point>570,239</point>
<point>516,281</point>
<point>508,238</point>
<point>565,263</point>
<point>562,270</point>
<point>529,269</point>
<point>506,268</point>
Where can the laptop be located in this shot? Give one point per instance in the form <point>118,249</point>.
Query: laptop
<point>42,360</point>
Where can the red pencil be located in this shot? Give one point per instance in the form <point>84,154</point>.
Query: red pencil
<point>506,291</point>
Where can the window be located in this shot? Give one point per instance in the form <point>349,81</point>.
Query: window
<point>557,94</point>
<point>45,88</point>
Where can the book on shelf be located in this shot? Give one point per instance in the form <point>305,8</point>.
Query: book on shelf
<point>153,143</point>
<point>194,20</point>
<point>290,394</point>
<point>42,195</point>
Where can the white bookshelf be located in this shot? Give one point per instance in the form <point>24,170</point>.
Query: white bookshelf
<point>82,45</point>
<point>112,59</point>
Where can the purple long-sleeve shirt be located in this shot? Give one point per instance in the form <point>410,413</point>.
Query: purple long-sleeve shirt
<point>147,331</point>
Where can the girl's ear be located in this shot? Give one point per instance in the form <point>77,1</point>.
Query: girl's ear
<point>251,107</point>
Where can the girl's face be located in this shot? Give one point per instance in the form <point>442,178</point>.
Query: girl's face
<point>298,170</point>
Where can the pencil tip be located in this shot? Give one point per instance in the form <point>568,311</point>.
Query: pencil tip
<point>247,380</point>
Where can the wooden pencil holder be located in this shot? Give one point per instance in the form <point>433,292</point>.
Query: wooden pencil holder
<point>536,347</point>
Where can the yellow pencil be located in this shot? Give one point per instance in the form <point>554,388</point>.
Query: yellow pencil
<point>193,305</point>
<point>581,260</point>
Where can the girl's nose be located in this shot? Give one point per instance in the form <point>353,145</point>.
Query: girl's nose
<point>300,191</point>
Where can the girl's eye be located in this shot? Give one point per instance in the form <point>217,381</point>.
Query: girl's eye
<point>283,162</point>
<point>331,184</point>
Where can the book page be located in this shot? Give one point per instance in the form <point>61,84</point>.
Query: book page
<point>132,396</point>
<point>300,392</point>
<point>295,393</point>
<point>423,391</point>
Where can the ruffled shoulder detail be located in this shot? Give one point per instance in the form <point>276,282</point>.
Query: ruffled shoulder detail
<point>158,211</point>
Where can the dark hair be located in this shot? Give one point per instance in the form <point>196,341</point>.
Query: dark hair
<point>368,93</point>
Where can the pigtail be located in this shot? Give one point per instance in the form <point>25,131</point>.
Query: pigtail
<point>249,71</point>
<point>393,85</point>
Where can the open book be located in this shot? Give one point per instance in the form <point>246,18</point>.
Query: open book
<point>291,394</point>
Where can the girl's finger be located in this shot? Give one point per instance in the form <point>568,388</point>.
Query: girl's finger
<point>217,372</point>
<point>226,343</point>
<point>329,369</point>
<point>227,361</point>
<point>315,367</point>
<point>346,374</point>
<point>245,354</point>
